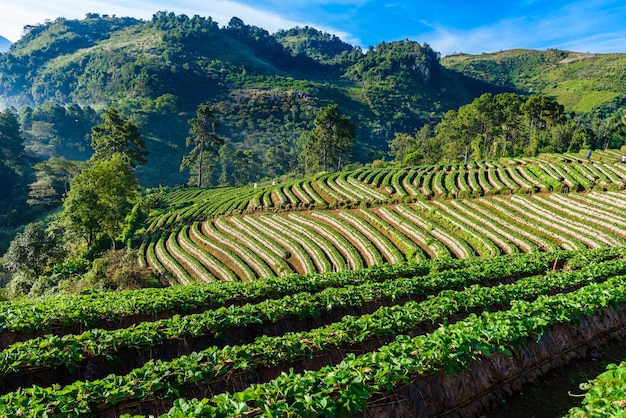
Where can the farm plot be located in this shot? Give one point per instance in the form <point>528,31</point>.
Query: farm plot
<point>349,343</point>
<point>392,184</point>
<point>244,247</point>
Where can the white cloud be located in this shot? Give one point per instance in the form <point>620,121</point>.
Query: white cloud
<point>30,12</point>
<point>577,27</point>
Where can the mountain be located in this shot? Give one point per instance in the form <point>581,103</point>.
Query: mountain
<point>581,82</point>
<point>268,86</point>
<point>5,44</point>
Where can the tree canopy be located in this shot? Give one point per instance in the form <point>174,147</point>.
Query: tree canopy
<point>506,124</point>
<point>13,170</point>
<point>330,142</point>
<point>53,181</point>
<point>99,199</point>
<point>33,250</point>
<point>204,140</point>
<point>118,136</point>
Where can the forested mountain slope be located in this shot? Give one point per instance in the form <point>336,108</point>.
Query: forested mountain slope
<point>158,71</point>
<point>269,86</point>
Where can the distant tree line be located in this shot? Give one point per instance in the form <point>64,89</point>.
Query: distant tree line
<point>505,125</point>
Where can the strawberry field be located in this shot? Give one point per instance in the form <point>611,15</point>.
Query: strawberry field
<point>378,292</point>
<point>374,216</point>
<point>333,344</point>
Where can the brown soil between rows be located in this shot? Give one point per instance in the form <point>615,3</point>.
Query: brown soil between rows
<point>467,393</point>
<point>123,361</point>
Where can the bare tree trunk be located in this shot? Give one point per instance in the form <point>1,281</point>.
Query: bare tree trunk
<point>200,168</point>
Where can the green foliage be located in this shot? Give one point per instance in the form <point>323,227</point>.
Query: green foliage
<point>53,131</point>
<point>99,199</point>
<point>507,125</point>
<point>580,81</point>
<point>118,136</point>
<point>397,60</point>
<point>53,181</point>
<point>330,142</point>
<point>14,174</point>
<point>114,270</point>
<point>459,289</point>
<point>34,250</point>
<point>31,258</point>
<point>204,140</point>
<point>320,46</point>
<point>605,395</point>
<point>157,72</point>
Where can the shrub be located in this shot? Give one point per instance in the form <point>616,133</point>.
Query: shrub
<point>19,286</point>
<point>115,270</point>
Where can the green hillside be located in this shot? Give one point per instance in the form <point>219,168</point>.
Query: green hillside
<point>490,251</point>
<point>270,86</point>
<point>581,82</point>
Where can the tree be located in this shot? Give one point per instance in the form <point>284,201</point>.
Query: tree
<point>203,138</point>
<point>53,181</point>
<point>279,159</point>
<point>118,136</point>
<point>609,132</point>
<point>330,142</point>
<point>99,199</point>
<point>13,190</point>
<point>246,164</point>
<point>401,145</point>
<point>542,113</point>
<point>34,250</point>
<point>11,142</point>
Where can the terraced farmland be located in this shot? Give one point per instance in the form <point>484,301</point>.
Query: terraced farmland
<point>274,244</point>
<point>378,292</point>
<point>367,186</point>
<point>363,342</point>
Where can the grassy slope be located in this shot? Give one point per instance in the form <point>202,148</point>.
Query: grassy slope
<point>579,81</point>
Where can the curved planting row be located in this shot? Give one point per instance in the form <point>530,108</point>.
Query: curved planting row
<point>367,186</point>
<point>466,359</point>
<point>52,351</point>
<point>337,349</point>
<point>249,246</point>
<point>68,313</point>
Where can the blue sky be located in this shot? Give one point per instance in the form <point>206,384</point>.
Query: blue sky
<point>470,26</point>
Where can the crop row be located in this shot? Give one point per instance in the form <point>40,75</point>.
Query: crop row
<point>167,379</point>
<point>70,350</point>
<point>357,238</point>
<point>345,389</point>
<point>374,186</point>
<point>109,309</point>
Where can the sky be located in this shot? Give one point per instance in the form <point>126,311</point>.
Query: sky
<point>458,26</point>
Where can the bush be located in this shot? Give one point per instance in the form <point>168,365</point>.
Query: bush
<point>19,286</point>
<point>119,270</point>
<point>34,250</point>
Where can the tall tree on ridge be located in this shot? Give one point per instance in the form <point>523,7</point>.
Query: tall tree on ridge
<point>329,144</point>
<point>203,138</point>
<point>118,136</point>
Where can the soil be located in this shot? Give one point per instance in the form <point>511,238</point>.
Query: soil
<point>551,395</point>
